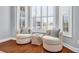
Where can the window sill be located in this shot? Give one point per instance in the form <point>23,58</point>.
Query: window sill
<point>67,34</point>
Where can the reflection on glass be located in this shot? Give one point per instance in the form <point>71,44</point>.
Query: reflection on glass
<point>65,23</point>
<point>38,23</point>
<point>44,11</point>
<point>50,22</point>
<point>44,19</point>
<point>33,11</point>
<point>50,11</point>
<point>22,11</point>
<point>33,23</point>
<point>22,18</point>
<point>38,13</point>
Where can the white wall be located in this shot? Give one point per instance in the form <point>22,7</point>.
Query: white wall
<point>4,22</point>
<point>76,26</point>
<point>13,20</point>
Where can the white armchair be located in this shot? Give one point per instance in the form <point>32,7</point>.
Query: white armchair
<point>53,42</point>
<point>23,38</point>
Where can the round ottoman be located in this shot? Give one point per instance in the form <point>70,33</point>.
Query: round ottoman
<point>52,44</point>
<point>23,38</point>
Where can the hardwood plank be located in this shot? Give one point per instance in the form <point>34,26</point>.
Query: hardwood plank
<point>11,47</point>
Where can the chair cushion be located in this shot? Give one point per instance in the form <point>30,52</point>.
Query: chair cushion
<point>54,32</point>
<point>51,40</point>
<point>23,36</point>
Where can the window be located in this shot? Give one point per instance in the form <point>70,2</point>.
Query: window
<point>42,17</point>
<point>21,18</point>
<point>35,17</point>
<point>65,23</point>
<point>66,20</point>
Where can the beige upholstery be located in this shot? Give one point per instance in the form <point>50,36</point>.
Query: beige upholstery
<point>53,44</point>
<point>23,38</point>
<point>36,40</point>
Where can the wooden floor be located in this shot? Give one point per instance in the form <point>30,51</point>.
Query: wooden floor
<point>11,47</point>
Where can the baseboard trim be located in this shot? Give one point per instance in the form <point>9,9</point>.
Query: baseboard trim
<point>7,39</point>
<point>71,47</point>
